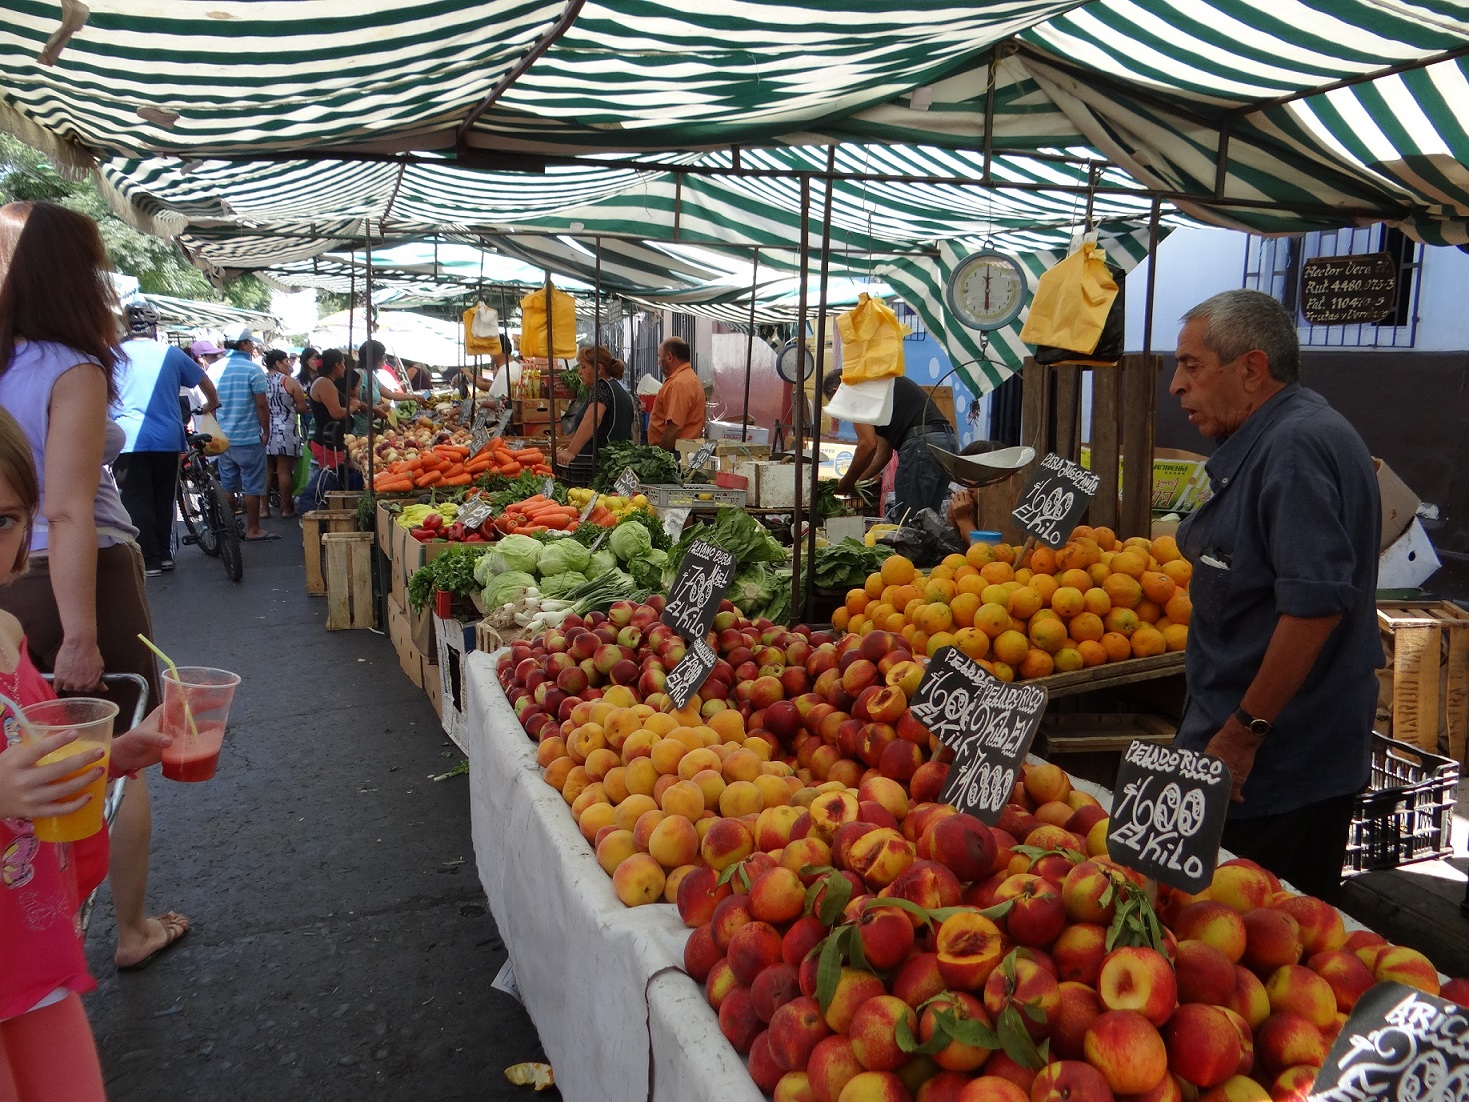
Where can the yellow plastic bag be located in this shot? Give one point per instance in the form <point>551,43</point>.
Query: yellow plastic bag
<point>872,341</point>
<point>1071,302</point>
<point>533,324</point>
<point>482,331</point>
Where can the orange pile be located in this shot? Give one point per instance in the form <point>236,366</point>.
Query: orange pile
<point>1095,600</point>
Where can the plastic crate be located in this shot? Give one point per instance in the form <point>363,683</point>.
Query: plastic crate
<point>1406,814</point>
<point>693,497</point>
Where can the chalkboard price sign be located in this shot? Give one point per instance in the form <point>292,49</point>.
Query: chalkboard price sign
<point>1399,1043</point>
<point>1349,290</point>
<point>1055,500</point>
<point>701,458</point>
<point>474,514</point>
<point>703,576</point>
<point>1168,814</point>
<point>987,723</point>
<point>627,483</point>
<point>688,677</point>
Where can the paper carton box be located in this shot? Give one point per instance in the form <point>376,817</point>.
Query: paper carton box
<point>1399,504</point>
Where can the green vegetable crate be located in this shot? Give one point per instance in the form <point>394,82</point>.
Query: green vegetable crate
<point>693,497</point>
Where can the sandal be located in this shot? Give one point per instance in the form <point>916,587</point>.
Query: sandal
<point>264,537</point>
<point>175,926</point>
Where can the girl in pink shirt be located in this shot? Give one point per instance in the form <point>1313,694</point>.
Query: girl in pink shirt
<point>46,1047</point>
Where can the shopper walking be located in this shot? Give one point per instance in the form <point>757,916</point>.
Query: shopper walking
<point>245,418</point>
<point>286,401</point>
<point>149,377</point>
<point>82,602</point>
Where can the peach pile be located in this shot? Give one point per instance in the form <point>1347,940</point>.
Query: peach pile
<point>1095,600</point>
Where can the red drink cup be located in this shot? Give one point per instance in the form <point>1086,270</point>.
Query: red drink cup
<point>198,729</point>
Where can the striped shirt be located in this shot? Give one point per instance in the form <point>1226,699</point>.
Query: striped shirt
<point>239,382</point>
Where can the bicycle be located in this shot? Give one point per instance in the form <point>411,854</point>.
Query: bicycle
<point>206,509</point>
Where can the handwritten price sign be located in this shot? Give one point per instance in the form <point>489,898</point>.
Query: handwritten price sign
<point>987,723</point>
<point>1399,1044</point>
<point>1347,290</point>
<point>703,576</point>
<point>688,677</point>
<point>627,483</point>
<point>701,458</point>
<point>1055,500</point>
<point>1169,814</point>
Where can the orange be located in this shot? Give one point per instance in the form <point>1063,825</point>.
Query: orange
<point>878,611</point>
<point>1105,538</point>
<point>973,642</point>
<point>1086,626</point>
<point>1142,543</point>
<point>1176,636</point>
<point>908,632</point>
<point>910,610</point>
<point>1098,572</point>
<point>1148,612</point>
<point>1130,563</point>
<point>1179,609</point>
<point>954,562</point>
<point>874,586</point>
<point>979,555</point>
<point>840,618</point>
<point>934,618</point>
<point>857,600</point>
<point>1010,647</point>
<point>1123,621</point>
<point>1005,553</point>
<point>965,571</point>
<point>1158,587</point>
<point>1165,549</point>
<point>1067,602</point>
<point>938,640</point>
<point>971,583</point>
<point>1124,590</point>
<point>1076,578</point>
<point>1002,670</point>
<point>1048,635</point>
<point>1037,664</point>
<point>1080,532</point>
<point>963,607</point>
<point>1068,659</point>
<point>895,621</point>
<point>1117,646</point>
<point>997,572</point>
<point>856,624</point>
<point>1148,642</point>
<point>903,594</point>
<point>1042,560</point>
<point>1097,601</point>
<point>1092,652</point>
<point>992,619</point>
<point>1025,603</point>
<point>994,595</point>
<point>1024,574</point>
<point>1180,570</point>
<point>919,641</point>
<point>897,570</point>
<point>939,590</point>
<point>1045,585</point>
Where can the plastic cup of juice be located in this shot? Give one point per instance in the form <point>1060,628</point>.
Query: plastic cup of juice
<point>195,750</point>
<point>92,720</point>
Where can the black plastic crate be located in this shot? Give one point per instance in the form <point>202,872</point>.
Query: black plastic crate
<point>1407,813</point>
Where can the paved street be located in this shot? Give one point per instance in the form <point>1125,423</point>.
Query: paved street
<point>342,947</point>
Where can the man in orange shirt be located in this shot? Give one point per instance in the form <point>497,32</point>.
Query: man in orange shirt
<point>678,411</point>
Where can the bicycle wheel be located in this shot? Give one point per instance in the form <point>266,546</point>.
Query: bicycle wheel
<point>193,507</point>
<point>228,536</point>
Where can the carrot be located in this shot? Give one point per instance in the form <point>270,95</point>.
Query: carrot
<point>458,450</point>
<point>510,469</point>
<point>427,478</point>
<point>529,455</point>
<point>461,479</point>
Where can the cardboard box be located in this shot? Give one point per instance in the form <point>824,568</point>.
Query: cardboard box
<point>407,556</point>
<point>400,633</point>
<point>731,430</point>
<point>386,521</point>
<point>455,640</point>
<point>1399,504</point>
<point>1180,484</point>
<point>1409,562</point>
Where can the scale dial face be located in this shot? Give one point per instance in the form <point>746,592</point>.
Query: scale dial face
<point>987,290</point>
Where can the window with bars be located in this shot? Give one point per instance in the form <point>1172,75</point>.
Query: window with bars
<point>911,318</point>
<point>1274,265</point>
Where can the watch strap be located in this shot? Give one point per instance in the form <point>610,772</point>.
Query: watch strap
<point>1260,727</point>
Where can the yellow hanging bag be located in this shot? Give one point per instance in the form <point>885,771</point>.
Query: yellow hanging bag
<point>482,331</point>
<point>533,324</point>
<point>872,341</point>
<point>1071,303</point>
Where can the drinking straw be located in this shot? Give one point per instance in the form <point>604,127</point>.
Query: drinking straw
<point>183,696</point>
<point>20,717</point>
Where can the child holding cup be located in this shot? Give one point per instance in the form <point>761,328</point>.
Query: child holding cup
<point>46,1047</point>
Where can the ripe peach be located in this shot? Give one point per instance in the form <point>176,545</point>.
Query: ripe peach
<point>962,843</point>
<point>1203,1045</point>
<point>956,1055</point>
<point>880,856</point>
<point>1070,1081</point>
<point>638,879</point>
<point>1293,1084</point>
<point>1079,952</point>
<point>1025,985</point>
<point>831,810</point>
<point>1038,915</point>
<point>1365,944</point>
<point>700,953</point>
<point>1286,1039</point>
<point>674,842</point>
<point>1214,923</point>
<point>774,824</point>
<point>614,848</point>
<point>854,987</point>
<point>874,1086</point>
<point>919,979</point>
<point>1248,999</point>
<point>1084,889</point>
<point>1001,1066</point>
<point>800,938</point>
<point>929,778</point>
<point>754,947</point>
<point>1399,964</point>
<point>872,1032</point>
<point>1205,975</point>
<point>1347,976</point>
<point>777,895</point>
<point>1321,923</point>
<point>1126,1048</point>
<point>1077,1008</point>
<point>727,842</point>
<point>729,915</point>
<point>805,853</point>
<point>1240,1088</point>
<point>1241,887</point>
<point>775,986</point>
<point>991,1088</point>
<point>738,1020</point>
<point>969,947</point>
<point>1135,978</point>
<point>1045,783</point>
<point>1456,991</point>
<point>1273,939</point>
<point>887,792</point>
<point>927,883</point>
<point>796,1028</point>
<point>719,983</point>
<point>831,1066</point>
<point>886,935</point>
<point>763,1068</point>
<point>1295,987</point>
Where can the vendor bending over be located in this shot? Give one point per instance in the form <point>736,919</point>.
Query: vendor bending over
<point>915,423</point>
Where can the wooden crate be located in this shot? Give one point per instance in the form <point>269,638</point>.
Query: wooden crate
<point>314,525</point>
<point>1111,675</point>
<point>342,501</point>
<point>1430,672</point>
<point>349,602</point>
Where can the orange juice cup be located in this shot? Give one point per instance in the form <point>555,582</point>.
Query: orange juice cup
<point>209,693</point>
<point>92,720</point>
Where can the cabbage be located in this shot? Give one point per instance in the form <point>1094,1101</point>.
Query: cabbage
<point>601,562</point>
<point>560,557</point>
<point>508,587</point>
<point>630,542</point>
<point>647,570</point>
<point>559,585</point>
<point>517,553</point>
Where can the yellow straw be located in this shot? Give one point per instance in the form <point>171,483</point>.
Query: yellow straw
<point>183,696</point>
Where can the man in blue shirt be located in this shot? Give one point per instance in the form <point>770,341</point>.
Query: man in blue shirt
<point>147,407</point>
<point>1283,643</point>
<point>245,418</point>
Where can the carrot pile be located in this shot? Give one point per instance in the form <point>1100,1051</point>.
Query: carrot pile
<point>540,513</point>
<point>452,465</point>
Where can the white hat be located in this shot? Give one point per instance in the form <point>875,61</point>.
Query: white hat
<point>240,335</point>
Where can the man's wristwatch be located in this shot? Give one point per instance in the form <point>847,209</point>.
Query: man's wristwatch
<point>1257,727</point>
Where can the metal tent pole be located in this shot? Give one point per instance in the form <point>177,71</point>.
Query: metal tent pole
<point>798,406</point>
<point>550,360</point>
<point>596,343</point>
<point>750,347</point>
<point>812,519</point>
